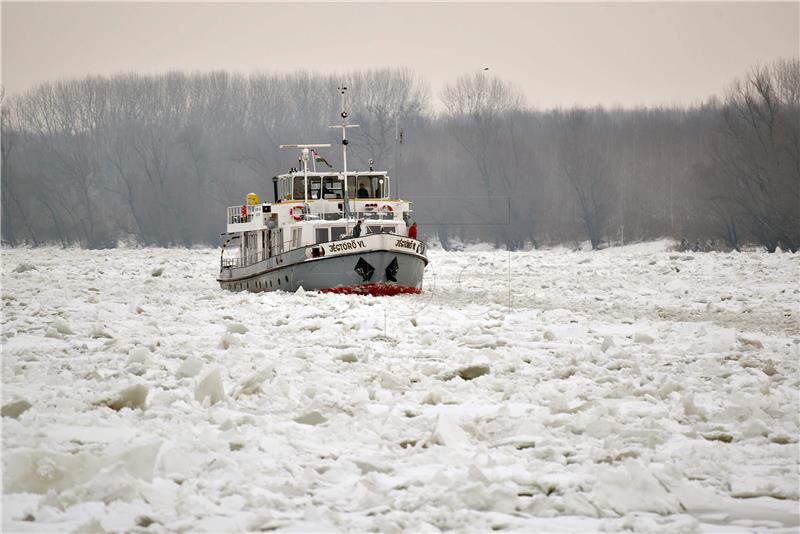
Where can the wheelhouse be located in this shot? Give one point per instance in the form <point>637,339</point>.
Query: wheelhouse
<point>320,186</point>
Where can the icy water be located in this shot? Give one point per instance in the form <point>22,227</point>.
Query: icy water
<point>632,388</point>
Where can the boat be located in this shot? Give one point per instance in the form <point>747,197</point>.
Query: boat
<point>308,237</point>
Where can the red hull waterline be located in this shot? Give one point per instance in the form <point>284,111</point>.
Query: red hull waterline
<point>376,290</point>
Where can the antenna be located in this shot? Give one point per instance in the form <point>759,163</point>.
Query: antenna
<point>326,145</point>
<point>344,126</point>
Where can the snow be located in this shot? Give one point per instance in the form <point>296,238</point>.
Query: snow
<point>631,388</point>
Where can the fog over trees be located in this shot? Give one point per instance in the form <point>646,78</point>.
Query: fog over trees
<point>154,160</point>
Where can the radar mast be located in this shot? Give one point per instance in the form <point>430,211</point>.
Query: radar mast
<point>344,126</point>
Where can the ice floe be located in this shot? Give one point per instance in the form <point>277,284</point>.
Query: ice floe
<point>625,389</point>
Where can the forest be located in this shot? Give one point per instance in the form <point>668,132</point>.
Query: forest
<point>154,160</point>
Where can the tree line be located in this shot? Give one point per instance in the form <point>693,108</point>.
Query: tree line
<point>154,160</point>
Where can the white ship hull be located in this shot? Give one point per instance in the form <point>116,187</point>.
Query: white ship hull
<point>377,264</point>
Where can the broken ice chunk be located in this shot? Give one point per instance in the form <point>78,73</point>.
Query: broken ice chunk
<point>24,267</point>
<point>631,487</point>
<point>62,327</point>
<point>311,418</point>
<point>369,467</point>
<point>15,409</point>
<point>641,337</point>
<point>448,433</point>
<point>52,333</point>
<point>252,384</point>
<point>92,525</point>
<point>473,371</point>
<point>434,396</point>
<point>229,340</point>
<point>131,397</point>
<point>348,357</point>
<point>749,343</point>
<point>98,331</point>
<point>668,387</point>
<point>138,356</point>
<point>210,386</point>
<point>237,328</point>
<point>470,372</point>
<point>190,367</point>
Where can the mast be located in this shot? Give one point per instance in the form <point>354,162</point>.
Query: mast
<point>304,156</point>
<point>344,126</point>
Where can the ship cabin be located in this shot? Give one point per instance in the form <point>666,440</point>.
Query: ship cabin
<point>312,208</point>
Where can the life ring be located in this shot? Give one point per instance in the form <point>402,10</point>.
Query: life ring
<point>387,208</point>
<point>296,216</point>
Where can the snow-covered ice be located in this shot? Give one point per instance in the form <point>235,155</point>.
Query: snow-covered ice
<point>627,389</point>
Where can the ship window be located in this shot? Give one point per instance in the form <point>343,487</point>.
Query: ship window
<point>279,280</point>
<point>364,188</point>
<point>322,235</point>
<point>373,229</point>
<point>332,187</point>
<point>337,232</point>
<point>287,278</point>
<point>313,188</point>
<point>387,229</point>
<point>297,193</point>
<point>381,187</point>
<point>371,186</point>
<point>296,233</point>
<point>285,188</point>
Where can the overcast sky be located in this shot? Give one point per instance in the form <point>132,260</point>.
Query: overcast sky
<point>559,54</point>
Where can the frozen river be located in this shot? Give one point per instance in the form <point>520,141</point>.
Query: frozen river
<point>632,388</point>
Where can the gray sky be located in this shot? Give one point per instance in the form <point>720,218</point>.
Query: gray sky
<point>559,54</point>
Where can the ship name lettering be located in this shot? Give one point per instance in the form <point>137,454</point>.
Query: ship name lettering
<point>346,245</point>
<point>405,243</point>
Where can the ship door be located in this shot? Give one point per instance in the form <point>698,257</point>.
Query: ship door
<point>274,240</point>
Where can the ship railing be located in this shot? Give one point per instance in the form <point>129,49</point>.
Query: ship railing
<point>367,215</point>
<point>243,213</point>
<point>375,215</point>
<point>250,259</point>
<point>227,263</point>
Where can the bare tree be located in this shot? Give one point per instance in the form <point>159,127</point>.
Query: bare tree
<point>758,153</point>
<point>383,101</point>
<point>480,110</point>
<point>588,173</point>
